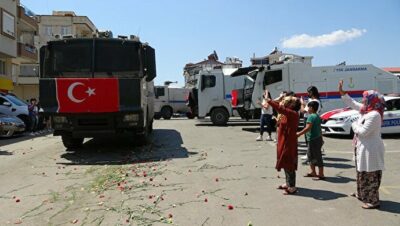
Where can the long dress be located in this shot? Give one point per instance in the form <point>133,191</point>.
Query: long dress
<point>287,139</point>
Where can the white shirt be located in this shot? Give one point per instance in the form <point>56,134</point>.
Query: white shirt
<point>306,107</point>
<point>264,110</point>
<point>369,145</point>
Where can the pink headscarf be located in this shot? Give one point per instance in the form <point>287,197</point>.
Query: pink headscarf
<point>372,101</point>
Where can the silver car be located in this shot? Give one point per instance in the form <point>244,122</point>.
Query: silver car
<point>10,125</point>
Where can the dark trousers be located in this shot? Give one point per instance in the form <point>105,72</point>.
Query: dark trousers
<point>265,119</point>
<point>290,178</point>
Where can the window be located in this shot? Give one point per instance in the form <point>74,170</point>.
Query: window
<point>272,77</point>
<point>2,67</point>
<point>209,81</point>
<point>8,24</point>
<point>66,30</point>
<point>393,105</point>
<point>2,100</point>
<point>48,30</point>
<point>15,100</point>
<point>29,70</point>
<point>160,92</point>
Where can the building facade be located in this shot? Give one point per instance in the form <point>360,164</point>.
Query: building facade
<point>26,82</point>
<point>8,43</point>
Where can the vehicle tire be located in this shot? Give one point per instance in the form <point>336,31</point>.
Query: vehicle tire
<point>157,116</point>
<point>219,116</point>
<point>166,113</point>
<point>70,142</point>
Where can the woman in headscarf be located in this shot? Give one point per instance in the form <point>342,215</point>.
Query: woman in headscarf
<point>368,145</point>
<point>287,140</point>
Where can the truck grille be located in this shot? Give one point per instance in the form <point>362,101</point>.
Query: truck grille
<point>93,122</point>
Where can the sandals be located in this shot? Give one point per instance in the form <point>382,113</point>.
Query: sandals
<point>355,195</point>
<point>282,187</point>
<point>288,191</point>
<point>369,206</point>
<point>319,178</point>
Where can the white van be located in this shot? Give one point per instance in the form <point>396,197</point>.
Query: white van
<point>169,101</point>
<point>12,105</point>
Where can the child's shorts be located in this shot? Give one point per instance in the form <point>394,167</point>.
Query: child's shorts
<point>314,153</point>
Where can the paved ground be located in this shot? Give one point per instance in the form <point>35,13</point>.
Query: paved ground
<point>190,175</point>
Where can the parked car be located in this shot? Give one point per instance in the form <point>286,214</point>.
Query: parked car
<point>339,121</point>
<point>12,105</point>
<point>10,125</point>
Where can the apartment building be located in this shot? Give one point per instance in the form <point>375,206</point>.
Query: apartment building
<point>48,27</point>
<point>26,81</point>
<point>63,24</point>
<point>8,43</point>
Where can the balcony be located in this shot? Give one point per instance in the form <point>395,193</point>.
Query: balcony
<point>27,51</point>
<point>27,20</point>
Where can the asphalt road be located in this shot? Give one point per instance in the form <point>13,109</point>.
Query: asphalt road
<point>192,173</point>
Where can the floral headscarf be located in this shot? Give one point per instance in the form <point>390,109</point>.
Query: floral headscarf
<point>372,101</point>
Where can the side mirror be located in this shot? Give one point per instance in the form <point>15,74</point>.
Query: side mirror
<point>7,104</point>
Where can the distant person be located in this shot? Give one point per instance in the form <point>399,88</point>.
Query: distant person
<point>33,115</point>
<point>315,141</point>
<point>266,117</point>
<point>287,140</point>
<point>368,145</point>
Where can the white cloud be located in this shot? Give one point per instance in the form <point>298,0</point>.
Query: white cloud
<point>334,38</point>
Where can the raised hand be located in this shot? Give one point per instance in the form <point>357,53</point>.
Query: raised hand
<point>341,91</point>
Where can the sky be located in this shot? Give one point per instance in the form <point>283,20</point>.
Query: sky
<point>184,31</point>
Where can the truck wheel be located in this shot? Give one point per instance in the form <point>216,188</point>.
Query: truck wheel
<point>157,116</point>
<point>219,116</point>
<point>70,142</point>
<point>151,126</point>
<point>166,113</point>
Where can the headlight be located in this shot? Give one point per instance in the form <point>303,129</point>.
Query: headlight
<point>343,119</point>
<point>60,119</point>
<point>131,118</point>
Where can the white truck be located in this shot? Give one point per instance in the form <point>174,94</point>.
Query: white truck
<point>212,95</point>
<point>169,101</point>
<point>297,76</point>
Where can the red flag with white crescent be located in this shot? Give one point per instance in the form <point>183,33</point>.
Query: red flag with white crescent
<point>84,95</point>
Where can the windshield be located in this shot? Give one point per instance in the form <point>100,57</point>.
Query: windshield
<point>15,100</point>
<point>91,57</point>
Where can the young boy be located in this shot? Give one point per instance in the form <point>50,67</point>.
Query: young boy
<point>314,138</point>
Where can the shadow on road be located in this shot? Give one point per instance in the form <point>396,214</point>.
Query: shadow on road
<point>390,206</point>
<point>339,180</point>
<point>5,153</point>
<point>319,194</point>
<point>19,138</point>
<point>165,144</point>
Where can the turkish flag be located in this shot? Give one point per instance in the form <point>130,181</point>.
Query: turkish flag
<point>84,95</point>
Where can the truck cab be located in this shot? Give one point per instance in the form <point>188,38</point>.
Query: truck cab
<point>214,94</point>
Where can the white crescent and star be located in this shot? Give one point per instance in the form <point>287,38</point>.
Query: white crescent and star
<point>70,92</point>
